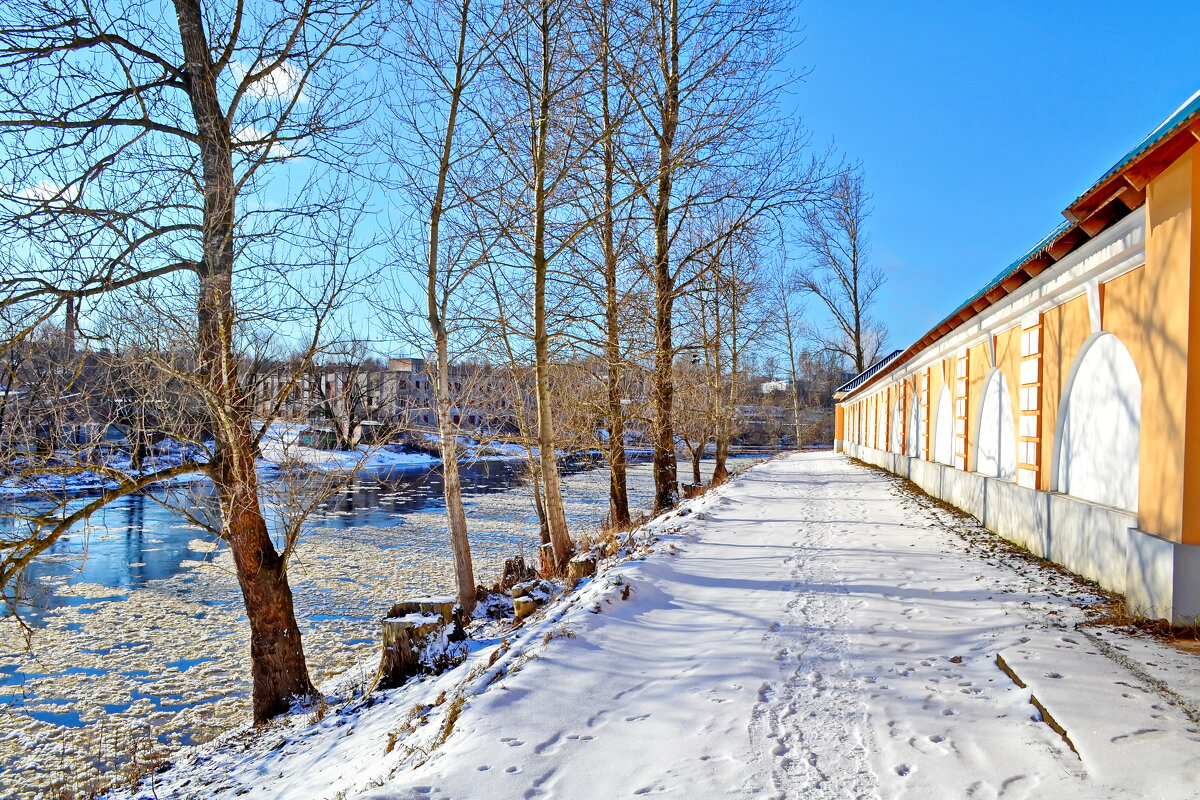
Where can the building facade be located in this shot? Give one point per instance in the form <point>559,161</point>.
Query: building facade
<point>398,395</point>
<point>1060,405</point>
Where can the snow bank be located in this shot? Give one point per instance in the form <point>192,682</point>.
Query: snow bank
<point>809,630</point>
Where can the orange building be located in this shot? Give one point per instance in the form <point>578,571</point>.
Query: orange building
<point>1060,405</point>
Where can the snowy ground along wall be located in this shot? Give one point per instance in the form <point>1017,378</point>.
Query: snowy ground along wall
<point>1157,576</point>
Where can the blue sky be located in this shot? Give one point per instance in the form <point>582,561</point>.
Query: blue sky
<point>977,123</point>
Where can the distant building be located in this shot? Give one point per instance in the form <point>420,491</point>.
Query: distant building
<point>1060,404</point>
<point>399,395</point>
<point>778,385</point>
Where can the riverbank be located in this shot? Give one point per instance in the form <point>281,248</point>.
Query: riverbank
<point>810,630</point>
<point>155,650</point>
<point>280,449</point>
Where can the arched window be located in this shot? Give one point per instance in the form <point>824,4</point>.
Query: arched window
<point>996,444</point>
<point>1098,436</point>
<point>943,429</point>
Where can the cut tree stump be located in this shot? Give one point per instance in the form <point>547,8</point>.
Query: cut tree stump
<point>442,606</point>
<point>515,571</point>
<point>529,596</point>
<point>523,607</point>
<point>409,627</point>
<point>580,567</point>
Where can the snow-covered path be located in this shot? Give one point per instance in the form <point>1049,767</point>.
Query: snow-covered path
<point>810,630</point>
<point>817,636</point>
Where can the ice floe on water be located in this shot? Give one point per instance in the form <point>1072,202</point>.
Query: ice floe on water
<point>165,663</point>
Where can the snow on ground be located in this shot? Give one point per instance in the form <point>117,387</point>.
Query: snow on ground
<point>810,630</point>
<point>363,459</point>
<point>281,445</point>
<point>162,455</point>
<point>167,659</point>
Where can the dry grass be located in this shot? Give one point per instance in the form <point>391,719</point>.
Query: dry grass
<point>319,710</point>
<point>452,714</point>
<point>1114,613</point>
<point>414,720</point>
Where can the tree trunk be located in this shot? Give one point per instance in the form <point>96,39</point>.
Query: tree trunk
<point>618,494</point>
<point>720,470</point>
<point>697,455</point>
<point>538,505</point>
<point>795,397</point>
<point>277,664</point>
<point>666,481</point>
<point>556,518</point>
<point>456,517</point>
<point>278,667</point>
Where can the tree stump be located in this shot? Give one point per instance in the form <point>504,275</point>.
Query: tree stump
<point>515,571</point>
<point>523,607</point>
<point>691,490</point>
<point>403,639</point>
<point>546,552</point>
<point>580,567</point>
<point>528,596</point>
<point>408,629</point>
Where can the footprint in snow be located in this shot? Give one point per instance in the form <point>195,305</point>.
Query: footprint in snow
<point>928,745</point>
<point>1143,734</point>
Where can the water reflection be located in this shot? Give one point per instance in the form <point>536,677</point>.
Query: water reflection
<point>376,501</point>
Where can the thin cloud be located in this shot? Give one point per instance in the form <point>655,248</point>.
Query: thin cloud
<point>251,138</point>
<point>280,83</point>
<point>50,192</point>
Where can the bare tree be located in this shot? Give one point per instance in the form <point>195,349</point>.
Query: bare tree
<point>695,423</point>
<point>728,313</point>
<point>789,320</point>
<point>706,84</point>
<point>447,46</point>
<point>347,393</point>
<point>139,179</point>
<point>542,70</point>
<point>616,236</point>
<point>840,274</point>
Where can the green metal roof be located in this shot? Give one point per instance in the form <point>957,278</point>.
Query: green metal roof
<point>1167,127</point>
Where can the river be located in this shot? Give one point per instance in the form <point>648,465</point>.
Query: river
<point>138,631</point>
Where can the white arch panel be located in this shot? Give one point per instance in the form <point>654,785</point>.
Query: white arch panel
<point>943,429</point>
<point>897,444</point>
<point>996,447</point>
<point>914,426</point>
<point>1099,428</point>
